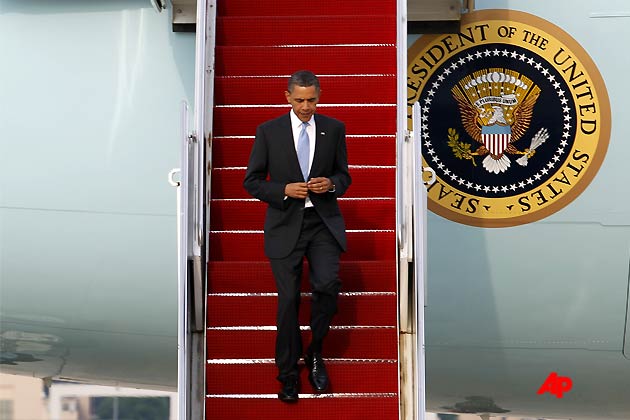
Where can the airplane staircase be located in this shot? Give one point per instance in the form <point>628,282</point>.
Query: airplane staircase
<point>351,46</point>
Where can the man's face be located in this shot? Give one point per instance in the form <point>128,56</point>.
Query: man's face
<point>303,100</point>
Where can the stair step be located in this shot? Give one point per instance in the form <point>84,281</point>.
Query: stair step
<point>270,90</point>
<point>264,30</point>
<point>260,378</point>
<point>350,343</point>
<point>231,246</point>
<point>365,214</point>
<point>256,276</point>
<point>366,183</point>
<point>290,8</point>
<point>368,120</point>
<point>270,61</point>
<point>377,310</point>
<point>355,407</point>
<point>377,150</point>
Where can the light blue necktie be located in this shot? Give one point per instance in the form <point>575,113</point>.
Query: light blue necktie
<point>303,150</point>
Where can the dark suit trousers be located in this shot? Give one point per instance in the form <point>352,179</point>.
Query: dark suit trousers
<point>322,251</point>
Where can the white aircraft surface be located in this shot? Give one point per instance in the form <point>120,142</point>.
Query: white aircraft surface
<point>90,127</point>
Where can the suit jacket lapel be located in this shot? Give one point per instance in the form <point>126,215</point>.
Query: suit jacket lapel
<point>286,136</point>
<point>320,137</point>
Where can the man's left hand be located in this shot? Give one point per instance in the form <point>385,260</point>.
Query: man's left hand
<point>319,185</point>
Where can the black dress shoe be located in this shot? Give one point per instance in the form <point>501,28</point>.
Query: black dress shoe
<point>318,376</point>
<point>289,392</point>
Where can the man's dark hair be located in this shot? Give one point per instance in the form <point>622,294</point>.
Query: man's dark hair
<point>303,78</point>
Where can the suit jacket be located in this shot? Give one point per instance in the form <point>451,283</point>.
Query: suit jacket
<point>273,163</point>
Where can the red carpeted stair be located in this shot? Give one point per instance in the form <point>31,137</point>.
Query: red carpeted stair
<point>351,46</point>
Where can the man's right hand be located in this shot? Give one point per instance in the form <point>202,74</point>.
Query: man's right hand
<point>296,190</point>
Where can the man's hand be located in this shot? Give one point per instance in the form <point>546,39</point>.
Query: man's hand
<point>296,190</point>
<point>319,185</point>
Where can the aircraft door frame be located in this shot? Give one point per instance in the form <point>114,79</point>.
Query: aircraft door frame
<point>194,220</point>
<point>411,218</point>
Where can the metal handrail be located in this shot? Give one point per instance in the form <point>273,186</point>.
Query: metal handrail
<point>419,260</point>
<point>183,246</point>
<point>411,393</point>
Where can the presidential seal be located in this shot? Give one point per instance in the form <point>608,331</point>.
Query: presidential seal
<point>515,118</point>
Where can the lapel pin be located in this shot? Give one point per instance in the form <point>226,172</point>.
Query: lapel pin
<point>322,133</point>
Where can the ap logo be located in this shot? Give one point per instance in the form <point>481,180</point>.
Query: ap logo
<point>556,385</point>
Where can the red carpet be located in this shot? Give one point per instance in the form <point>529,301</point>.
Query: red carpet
<point>351,46</point>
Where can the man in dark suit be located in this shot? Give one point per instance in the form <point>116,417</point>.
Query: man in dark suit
<point>298,166</point>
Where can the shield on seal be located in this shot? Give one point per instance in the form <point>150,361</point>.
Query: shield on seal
<point>496,138</point>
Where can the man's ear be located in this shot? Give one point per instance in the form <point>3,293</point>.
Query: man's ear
<point>287,94</point>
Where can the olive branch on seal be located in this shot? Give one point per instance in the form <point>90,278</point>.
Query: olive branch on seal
<point>460,149</point>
